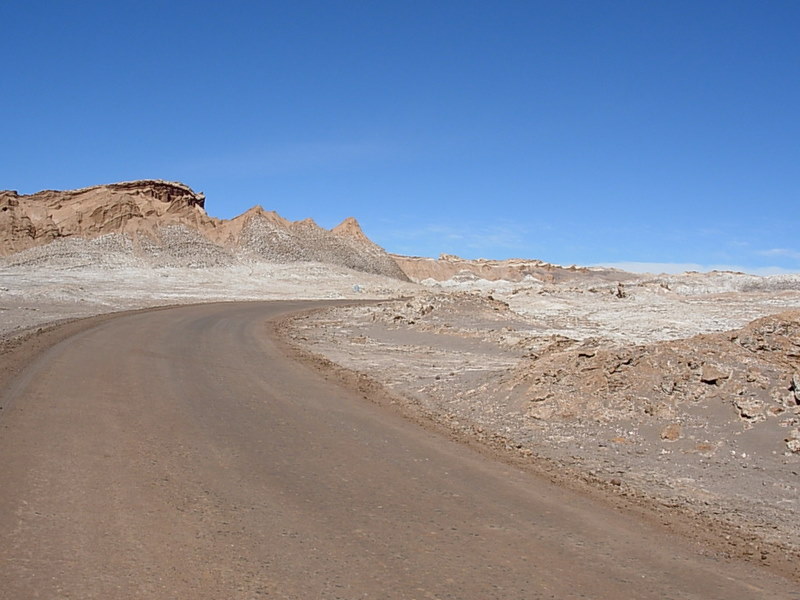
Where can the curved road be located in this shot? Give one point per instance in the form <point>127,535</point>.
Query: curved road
<point>179,454</point>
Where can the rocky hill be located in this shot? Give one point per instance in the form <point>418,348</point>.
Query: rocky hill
<point>139,206</point>
<point>165,224</point>
<point>449,267</point>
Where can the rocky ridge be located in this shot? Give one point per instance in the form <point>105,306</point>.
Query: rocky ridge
<point>33,220</point>
<point>160,223</point>
<point>449,267</point>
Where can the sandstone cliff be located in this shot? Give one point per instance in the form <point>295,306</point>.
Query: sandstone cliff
<point>165,224</point>
<point>138,206</point>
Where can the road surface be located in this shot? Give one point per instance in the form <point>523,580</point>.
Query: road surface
<point>180,454</point>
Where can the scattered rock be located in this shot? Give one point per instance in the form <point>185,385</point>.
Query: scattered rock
<point>794,387</point>
<point>793,441</point>
<point>712,375</point>
<point>750,409</point>
<point>671,432</point>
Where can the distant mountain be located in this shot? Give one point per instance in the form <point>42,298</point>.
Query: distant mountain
<point>448,266</point>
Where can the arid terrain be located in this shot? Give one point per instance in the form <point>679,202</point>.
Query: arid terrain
<point>185,453</point>
<point>678,393</point>
<point>150,243</point>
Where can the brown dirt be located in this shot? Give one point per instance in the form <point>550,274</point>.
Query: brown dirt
<point>683,452</point>
<point>179,453</point>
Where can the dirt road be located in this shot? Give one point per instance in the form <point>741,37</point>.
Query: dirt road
<point>179,454</point>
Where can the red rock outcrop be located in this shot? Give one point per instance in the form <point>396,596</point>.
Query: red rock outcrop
<point>129,207</point>
<point>142,210</point>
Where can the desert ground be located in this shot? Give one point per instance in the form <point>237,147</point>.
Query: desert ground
<point>678,390</point>
<point>185,452</point>
<point>672,397</point>
<point>681,391</point>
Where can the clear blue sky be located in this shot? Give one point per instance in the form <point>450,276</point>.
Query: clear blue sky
<point>574,132</point>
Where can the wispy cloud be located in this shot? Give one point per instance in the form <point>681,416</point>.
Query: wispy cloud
<point>675,268</point>
<point>784,252</point>
<point>490,238</point>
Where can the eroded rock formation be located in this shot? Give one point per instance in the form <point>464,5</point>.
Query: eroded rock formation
<point>449,266</point>
<point>166,223</point>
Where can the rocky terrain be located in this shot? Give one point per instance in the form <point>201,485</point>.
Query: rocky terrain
<point>150,243</point>
<point>449,267</point>
<point>159,223</point>
<point>681,390</point>
<point>33,220</point>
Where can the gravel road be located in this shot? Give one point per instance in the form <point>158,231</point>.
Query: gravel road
<point>178,453</point>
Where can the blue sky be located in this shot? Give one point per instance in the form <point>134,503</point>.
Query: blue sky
<point>660,133</point>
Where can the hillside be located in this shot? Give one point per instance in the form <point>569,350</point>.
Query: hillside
<point>165,224</point>
<point>450,267</point>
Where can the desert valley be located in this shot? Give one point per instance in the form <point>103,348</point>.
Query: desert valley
<point>674,396</point>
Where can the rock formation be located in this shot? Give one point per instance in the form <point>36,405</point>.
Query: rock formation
<point>754,369</point>
<point>448,266</point>
<point>166,224</point>
<point>130,207</point>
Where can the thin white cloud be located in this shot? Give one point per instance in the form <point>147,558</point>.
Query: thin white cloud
<point>788,253</point>
<point>677,268</point>
<point>497,235</point>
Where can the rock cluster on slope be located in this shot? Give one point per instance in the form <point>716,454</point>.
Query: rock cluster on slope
<point>754,371</point>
